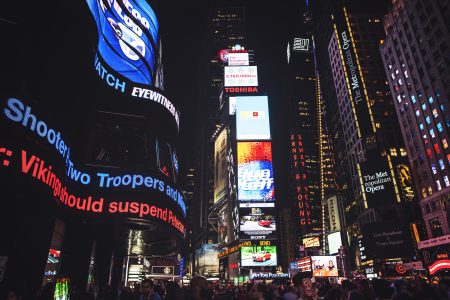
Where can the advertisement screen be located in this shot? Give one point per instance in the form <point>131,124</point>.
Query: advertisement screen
<point>377,182</point>
<point>222,234</point>
<point>255,175</point>
<point>252,118</point>
<point>127,37</point>
<point>257,224</point>
<point>238,58</point>
<point>304,264</point>
<point>324,266</point>
<point>241,76</point>
<point>333,214</point>
<point>311,242</point>
<point>258,256</point>
<point>388,239</point>
<point>334,242</point>
<point>220,166</point>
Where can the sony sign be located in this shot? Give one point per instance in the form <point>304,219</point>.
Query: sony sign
<point>333,213</point>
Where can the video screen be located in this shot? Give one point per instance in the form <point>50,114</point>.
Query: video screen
<point>257,223</point>
<point>324,266</point>
<point>252,118</point>
<point>258,256</point>
<point>255,175</point>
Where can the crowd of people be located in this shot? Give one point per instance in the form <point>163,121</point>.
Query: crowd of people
<point>301,286</point>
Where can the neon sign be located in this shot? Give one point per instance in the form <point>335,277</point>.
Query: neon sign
<point>439,265</point>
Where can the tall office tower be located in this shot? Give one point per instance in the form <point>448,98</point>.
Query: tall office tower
<point>310,174</point>
<point>226,30</point>
<point>416,58</point>
<point>382,200</point>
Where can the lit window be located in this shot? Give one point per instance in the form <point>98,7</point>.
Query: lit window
<point>419,93</point>
<point>417,113</point>
<point>430,100</point>
<point>399,98</point>
<point>444,143</point>
<point>438,185</point>
<point>436,148</point>
<point>403,152</point>
<point>393,152</point>
<point>392,76</point>
<point>428,119</point>
<point>435,113</point>
<point>396,71</point>
<point>400,82</point>
<point>447,182</point>
<point>442,107</point>
<point>390,67</point>
<point>433,168</point>
<point>441,164</point>
<point>413,99</point>
<point>439,127</point>
<point>424,106</point>
<point>421,126</point>
<point>432,133</point>
<point>406,73</point>
<point>430,191</point>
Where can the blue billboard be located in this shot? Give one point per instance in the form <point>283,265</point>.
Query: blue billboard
<point>127,37</point>
<point>252,118</point>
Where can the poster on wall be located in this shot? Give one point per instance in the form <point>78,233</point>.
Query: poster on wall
<point>255,175</point>
<point>257,223</point>
<point>220,166</point>
<point>324,266</point>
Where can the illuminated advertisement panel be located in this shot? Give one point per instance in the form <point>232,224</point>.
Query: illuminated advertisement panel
<point>304,264</point>
<point>255,175</point>
<point>238,58</point>
<point>127,37</point>
<point>241,76</point>
<point>377,182</point>
<point>311,242</point>
<point>334,242</point>
<point>220,166</point>
<point>324,266</point>
<point>252,118</point>
<point>333,214</point>
<point>257,223</point>
<point>222,233</point>
<point>258,256</point>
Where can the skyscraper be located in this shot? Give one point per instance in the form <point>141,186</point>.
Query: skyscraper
<point>416,60</point>
<point>370,136</point>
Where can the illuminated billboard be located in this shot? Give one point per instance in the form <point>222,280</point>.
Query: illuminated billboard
<point>311,242</point>
<point>324,266</point>
<point>238,58</point>
<point>258,256</point>
<point>377,182</point>
<point>220,166</point>
<point>252,118</point>
<point>304,264</point>
<point>127,38</point>
<point>241,76</point>
<point>257,223</point>
<point>334,242</point>
<point>333,214</point>
<point>255,175</point>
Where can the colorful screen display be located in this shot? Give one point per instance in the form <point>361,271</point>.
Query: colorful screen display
<point>252,118</point>
<point>220,166</point>
<point>334,242</point>
<point>127,37</point>
<point>255,175</point>
<point>324,266</point>
<point>241,76</point>
<point>258,256</point>
<point>257,223</point>
<point>311,242</point>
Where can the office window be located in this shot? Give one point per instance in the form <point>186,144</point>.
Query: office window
<point>428,119</point>
<point>432,133</point>
<point>441,164</point>
<point>424,106</point>
<point>430,100</point>
<point>439,127</point>
<point>435,113</point>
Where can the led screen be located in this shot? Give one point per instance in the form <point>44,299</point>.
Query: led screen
<point>258,256</point>
<point>257,223</point>
<point>241,76</point>
<point>127,37</point>
<point>311,242</point>
<point>255,175</point>
<point>324,266</point>
<point>220,166</point>
<point>252,118</point>
<point>334,242</point>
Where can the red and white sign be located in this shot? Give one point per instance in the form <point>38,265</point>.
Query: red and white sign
<point>241,76</point>
<point>238,58</point>
<point>304,264</point>
<point>400,268</point>
<point>439,265</point>
<point>242,89</point>
<point>415,265</point>
<point>442,240</point>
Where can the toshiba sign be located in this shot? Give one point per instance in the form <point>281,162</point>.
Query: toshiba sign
<point>241,76</point>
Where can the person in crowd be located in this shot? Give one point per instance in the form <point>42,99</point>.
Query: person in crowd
<point>333,294</point>
<point>346,287</point>
<point>14,294</point>
<point>291,294</point>
<point>304,283</point>
<point>362,292</point>
<point>199,289</point>
<point>126,294</point>
<point>381,289</point>
<point>173,291</point>
<point>258,291</point>
<point>147,291</point>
